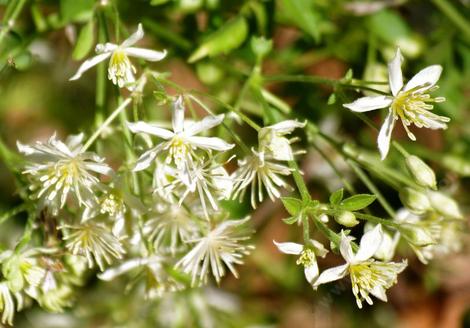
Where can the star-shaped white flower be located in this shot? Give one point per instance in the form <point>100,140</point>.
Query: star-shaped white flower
<point>367,275</point>
<point>180,144</point>
<point>307,256</point>
<point>272,138</point>
<point>410,102</point>
<point>120,69</point>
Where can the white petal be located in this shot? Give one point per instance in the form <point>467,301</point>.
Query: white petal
<point>150,55</point>
<point>331,274</point>
<point>73,141</point>
<point>425,78</point>
<point>210,143</point>
<point>142,127</point>
<point>206,123</point>
<point>25,149</point>
<point>370,243</point>
<point>289,248</point>
<point>145,160</point>
<point>87,64</point>
<point>385,135</point>
<point>178,115</point>
<point>287,126</point>
<point>100,168</point>
<point>107,47</point>
<point>311,272</point>
<point>366,104</point>
<point>345,248</point>
<point>395,76</point>
<point>320,250</point>
<point>139,34</point>
<point>379,292</point>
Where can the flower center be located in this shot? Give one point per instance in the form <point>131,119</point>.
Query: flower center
<point>414,106</point>
<point>120,69</point>
<point>307,258</point>
<point>178,151</point>
<point>112,205</point>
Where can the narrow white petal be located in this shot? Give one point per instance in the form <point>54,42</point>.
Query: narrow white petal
<point>366,104</point>
<point>385,135</point>
<point>25,149</point>
<point>139,34</point>
<point>106,47</point>
<point>345,248</point>
<point>210,143</point>
<point>426,78</point>
<point>206,123</point>
<point>379,292</point>
<point>178,115</point>
<point>142,127</point>
<point>147,54</point>
<point>145,160</point>
<point>331,274</point>
<point>395,76</point>
<point>100,168</point>
<point>87,64</point>
<point>370,243</point>
<point>311,272</point>
<point>320,250</point>
<point>287,126</point>
<point>289,248</point>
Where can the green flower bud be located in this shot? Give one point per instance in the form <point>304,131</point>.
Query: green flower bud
<point>444,205</point>
<point>261,46</point>
<point>346,218</point>
<point>417,202</point>
<point>421,172</point>
<point>416,235</point>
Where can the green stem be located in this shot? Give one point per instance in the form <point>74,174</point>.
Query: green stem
<point>299,181</point>
<point>377,220</point>
<point>14,211</point>
<point>372,187</point>
<point>10,20</point>
<point>454,15</point>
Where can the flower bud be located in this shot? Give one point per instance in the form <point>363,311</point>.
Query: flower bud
<point>444,205</point>
<point>346,218</point>
<point>421,172</point>
<point>415,201</point>
<point>416,235</point>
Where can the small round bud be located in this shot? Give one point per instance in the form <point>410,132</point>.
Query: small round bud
<point>421,172</point>
<point>444,205</point>
<point>346,218</point>
<point>417,202</point>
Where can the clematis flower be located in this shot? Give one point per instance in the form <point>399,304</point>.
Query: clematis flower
<point>367,275</point>
<point>272,138</point>
<point>260,171</point>
<point>120,69</point>
<point>57,169</point>
<point>307,256</point>
<point>179,144</point>
<point>410,102</point>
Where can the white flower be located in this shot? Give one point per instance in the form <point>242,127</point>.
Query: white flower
<point>94,241</point>
<point>307,256</point>
<point>120,69</point>
<point>410,102</point>
<point>180,144</point>
<point>220,246</point>
<point>367,275</point>
<point>259,170</point>
<point>271,138</point>
<point>7,304</point>
<point>170,229</point>
<point>58,168</point>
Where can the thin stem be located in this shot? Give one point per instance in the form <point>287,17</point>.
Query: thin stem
<point>105,124</point>
<point>372,187</point>
<point>377,220</point>
<point>14,211</point>
<point>299,181</point>
<point>10,20</point>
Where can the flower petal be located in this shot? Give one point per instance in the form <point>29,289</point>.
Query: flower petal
<point>385,135</point>
<point>289,248</point>
<point>100,168</point>
<point>147,54</point>
<point>139,34</point>
<point>287,126</point>
<point>395,76</point>
<point>366,104</point>
<point>311,272</point>
<point>145,160</point>
<point>331,274</point>
<point>345,248</point>
<point>87,64</point>
<point>206,123</point>
<point>178,115</point>
<point>143,127</point>
<point>210,143</point>
<point>426,78</point>
<point>370,243</point>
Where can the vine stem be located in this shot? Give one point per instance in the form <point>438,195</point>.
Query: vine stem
<point>14,211</point>
<point>9,20</point>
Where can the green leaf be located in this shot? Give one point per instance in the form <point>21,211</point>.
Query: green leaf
<point>357,202</point>
<point>292,205</point>
<point>84,42</point>
<point>332,99</point>
<point>291,219</point>
<point>302,14</point>
<point>229,37</point>
<point>76,10</point>
<point>336,197</point>
<point>388,25</point>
